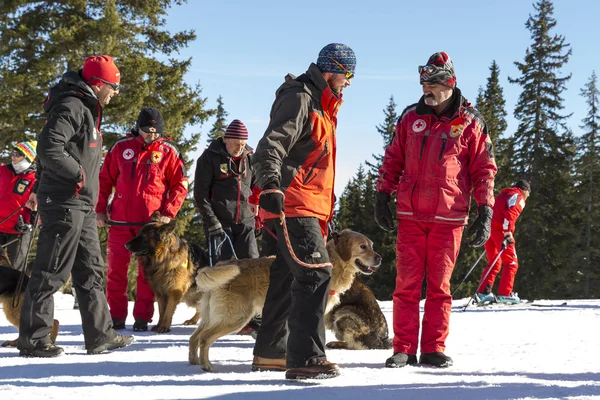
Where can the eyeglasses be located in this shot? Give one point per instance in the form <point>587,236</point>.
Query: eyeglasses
<point>16,153</point>
<point>349,75</point>
<point>115,86</point>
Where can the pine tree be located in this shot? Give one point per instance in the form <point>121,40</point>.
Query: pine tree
<point>220,125</point>
<point>543,150</point>
<point>587,171</point>
<point>386,130</point>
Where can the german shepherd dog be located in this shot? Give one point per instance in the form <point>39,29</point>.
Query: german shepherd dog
<point>234,291</point>
<point>357,321</point>
<point>9,279</point>
<point>170,264</point>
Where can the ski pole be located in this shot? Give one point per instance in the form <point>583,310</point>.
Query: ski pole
<point>504,244</point>
<point>11,214</point>
<point>468,273</point>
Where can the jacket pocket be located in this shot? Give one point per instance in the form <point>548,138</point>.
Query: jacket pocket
<point>312,172</point>
<point>404,195</point>
<point>453,203</point>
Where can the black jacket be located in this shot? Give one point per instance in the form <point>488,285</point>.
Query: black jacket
<point>221,189</point>
<point>69,148</point>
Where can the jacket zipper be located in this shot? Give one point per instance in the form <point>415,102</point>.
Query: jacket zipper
<point>323,153</point>
<point>133,168</point>
<point>423,143</point>
<point>445,139</point>
<point>147,169</point>
<point>237,212</point>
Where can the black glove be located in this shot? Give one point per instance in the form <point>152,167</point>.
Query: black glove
<point>271,202</point>
<point>383,213</point>
<point>481,228</point>
<point>21,226</point>
<point>332,226</point>
<point>216,229</point>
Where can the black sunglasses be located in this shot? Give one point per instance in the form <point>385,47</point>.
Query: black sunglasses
<point>115,86</point>
<point>16,153</point>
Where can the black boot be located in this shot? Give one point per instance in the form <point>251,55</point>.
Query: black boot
<point>399,360</point>
<point>118,324</point>
<point>116,343</point>
<point>437,359</point>
<point>42,350</point>
<point>140,325</point>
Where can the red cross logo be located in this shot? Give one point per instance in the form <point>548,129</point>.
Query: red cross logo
<point>419,125</point>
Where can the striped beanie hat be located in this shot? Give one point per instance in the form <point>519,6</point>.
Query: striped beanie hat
<point>27,149</point>
<point>339,52</point>
<point>439,69</point>
<point>236,130</point>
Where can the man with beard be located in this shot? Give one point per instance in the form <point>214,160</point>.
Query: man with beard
<point>69,156</point>
<point>439,154</point>
<point>295,168</point>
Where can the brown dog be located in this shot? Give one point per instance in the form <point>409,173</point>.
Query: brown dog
<point>170,264</point>
<point>234,291</point>
<point>9,279</point>
<point>357,321</point>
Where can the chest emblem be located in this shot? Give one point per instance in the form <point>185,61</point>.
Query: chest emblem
<point>156,156</point>
<point>128,154</point>
<point>223,168</point>
<point>456,130</point>
<point>21,187</point>
<point>419,125</point>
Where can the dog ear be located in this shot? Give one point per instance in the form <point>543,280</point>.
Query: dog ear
<point>155,216</point>
<point>343,245</point>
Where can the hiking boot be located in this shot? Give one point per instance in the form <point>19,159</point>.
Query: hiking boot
<point>323,369</point>
<point>481,298</point>
<point>437,359</point>
<point>116,343</point>
<point>140,325</point>
<point>399,360</point>
<point>513,298</point>
<point>42,350</point>
<point>260,364</point>
<point>118,324</point>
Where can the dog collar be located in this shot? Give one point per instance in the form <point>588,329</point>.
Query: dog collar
<point>332,292</point>
<point>185,263</point>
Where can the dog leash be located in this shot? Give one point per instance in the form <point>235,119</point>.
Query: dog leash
<point>286,236</point>
<point>15,299</point>
<point>218,247</point>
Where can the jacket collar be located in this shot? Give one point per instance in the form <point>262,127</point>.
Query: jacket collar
<point>329,101</point>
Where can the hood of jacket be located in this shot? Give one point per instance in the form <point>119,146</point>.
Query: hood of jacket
<point>71,84</point>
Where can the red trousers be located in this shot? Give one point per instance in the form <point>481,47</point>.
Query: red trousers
<point>118,258</point>
<point>508,258</point>
<point>424,250</point>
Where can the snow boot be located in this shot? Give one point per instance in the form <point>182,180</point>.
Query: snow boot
<point>399,360</point>
<point>436,359</point>
<point>140,325</point>
<point>116,343</point>
<point>322,369</point>
<point>483,298</point>
<point>118,324</point>
<point>43,350</point>
<point>513,298</point>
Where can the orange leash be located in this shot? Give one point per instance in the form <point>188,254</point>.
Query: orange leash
<point>286,236</point>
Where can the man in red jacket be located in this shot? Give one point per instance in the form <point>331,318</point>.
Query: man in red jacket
<point>509,205</point>
<point>440,153</point>
<point>147,174</point>
<point>16,181</point>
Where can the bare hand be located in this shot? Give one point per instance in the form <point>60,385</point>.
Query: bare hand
<point>253,209</point>
<point>101,220</point>
<point>508,236</point>
<point>32,203</point>
<point>164,220</point>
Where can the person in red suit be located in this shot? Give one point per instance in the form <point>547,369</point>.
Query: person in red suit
<point>16,182</point>
<point>440,154</point>
<point>509,205</point>
<point>147,173</point>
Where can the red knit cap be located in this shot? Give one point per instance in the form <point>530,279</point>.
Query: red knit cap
<point>236,130</point>
<point>102,67</point>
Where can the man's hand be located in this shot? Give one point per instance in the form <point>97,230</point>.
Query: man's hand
<point>32,203</point>
<point>481,228</point>
<point>21,226</point>
<point>101,220</point>
<point>272,202</point>
<point>164,220</point>
<point>383,213</point>
<point>253,209</point>
<point>216,229</point>
<point>508,237</point>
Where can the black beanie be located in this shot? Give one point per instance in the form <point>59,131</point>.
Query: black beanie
<point>523,185</point>
<point>150,121</point>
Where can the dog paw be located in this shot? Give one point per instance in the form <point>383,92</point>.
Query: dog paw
<point>337,345</point>
<point>208,367</point>
<point>161,329</point>
<point>193,359</point>
<point>190,322</point>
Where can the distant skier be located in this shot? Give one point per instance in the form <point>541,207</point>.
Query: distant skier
<point>508,206</point>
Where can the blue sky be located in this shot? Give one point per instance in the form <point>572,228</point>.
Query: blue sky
<point>244,49</point>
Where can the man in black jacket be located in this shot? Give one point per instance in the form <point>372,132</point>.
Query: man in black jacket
<point>223,193</point>
<point>69,156</point>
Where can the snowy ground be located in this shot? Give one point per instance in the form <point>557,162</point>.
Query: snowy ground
<point>514,352</point>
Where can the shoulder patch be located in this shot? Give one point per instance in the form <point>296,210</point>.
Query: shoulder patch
<point>172,147</point>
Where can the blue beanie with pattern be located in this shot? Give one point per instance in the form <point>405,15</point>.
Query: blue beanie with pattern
<point>340,53</point>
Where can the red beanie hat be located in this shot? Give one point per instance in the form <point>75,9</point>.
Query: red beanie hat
<point>236,130</point>
<point>102,67</point>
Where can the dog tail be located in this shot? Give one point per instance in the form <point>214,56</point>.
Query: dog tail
<point>213,277</point>
<point>9,279</point>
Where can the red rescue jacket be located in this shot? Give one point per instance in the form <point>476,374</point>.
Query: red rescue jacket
<point>509,205</point>
<point>14,192</point>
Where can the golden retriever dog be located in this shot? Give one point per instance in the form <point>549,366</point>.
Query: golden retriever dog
<point>234,291</point>
<point>12,304</point>
<point>357,321</point>
<point>170,264</point>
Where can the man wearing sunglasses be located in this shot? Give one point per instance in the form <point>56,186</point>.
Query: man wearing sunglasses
<point>69,156</point>
<point>440,153</point>
<point>296,160</point>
